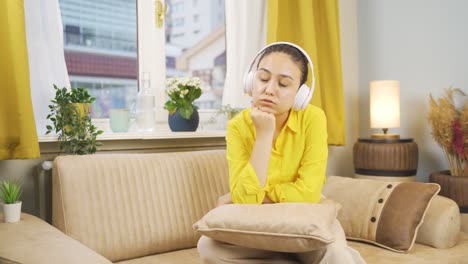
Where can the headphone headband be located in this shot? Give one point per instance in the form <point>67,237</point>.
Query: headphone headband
<point>311,65</point>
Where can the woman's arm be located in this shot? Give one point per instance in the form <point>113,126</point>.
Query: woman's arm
<point>248,157</point>
<point>264,127</point>
<point>226,199</point>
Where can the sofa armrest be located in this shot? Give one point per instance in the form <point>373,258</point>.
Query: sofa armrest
<point>32,240</point>
<point>441,224</point>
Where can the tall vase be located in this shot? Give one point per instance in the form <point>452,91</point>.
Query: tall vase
<point>177,123</point>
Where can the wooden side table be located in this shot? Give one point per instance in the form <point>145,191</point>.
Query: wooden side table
<point>387,160</point>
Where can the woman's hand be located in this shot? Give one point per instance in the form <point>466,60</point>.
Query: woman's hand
<point>225,199</point>
<point>263,120</point>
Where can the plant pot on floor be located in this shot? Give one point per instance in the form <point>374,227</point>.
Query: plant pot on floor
<point>177,123</point>
<point>11,212</point>
<point>453,187</point>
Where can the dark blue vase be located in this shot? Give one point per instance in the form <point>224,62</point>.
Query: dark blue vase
<point>177,123</point>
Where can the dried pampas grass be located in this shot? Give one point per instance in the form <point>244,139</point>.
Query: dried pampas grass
<point>442,116</point>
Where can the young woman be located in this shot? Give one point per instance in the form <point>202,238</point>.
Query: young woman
<point>277,152</point>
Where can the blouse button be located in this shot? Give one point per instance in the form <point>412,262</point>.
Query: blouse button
<point>373,219</point>
<point>389,186</point>
<point>380,200</point>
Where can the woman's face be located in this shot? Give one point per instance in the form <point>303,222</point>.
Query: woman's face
<point>276,83</point>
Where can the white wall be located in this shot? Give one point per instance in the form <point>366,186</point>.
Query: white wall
<point>422,43</point>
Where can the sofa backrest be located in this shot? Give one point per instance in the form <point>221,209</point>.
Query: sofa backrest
<point>125,206</point>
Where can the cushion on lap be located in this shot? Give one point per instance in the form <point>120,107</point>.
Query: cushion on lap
<point>282,227</point>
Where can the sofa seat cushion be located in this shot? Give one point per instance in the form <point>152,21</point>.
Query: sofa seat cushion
<point>185,256</point>
<point>419,254</point>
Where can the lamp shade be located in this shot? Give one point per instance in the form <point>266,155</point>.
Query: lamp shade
<point>385,104</point>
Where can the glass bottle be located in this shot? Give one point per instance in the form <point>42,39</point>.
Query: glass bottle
<point>145,118</point>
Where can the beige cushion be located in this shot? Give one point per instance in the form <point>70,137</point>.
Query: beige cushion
<point>387,214</point>
<point>441,225</point>
<point>284,227</point>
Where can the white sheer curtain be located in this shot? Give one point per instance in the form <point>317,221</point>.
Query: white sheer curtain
<point>245,36</point>
<point>44,35</point>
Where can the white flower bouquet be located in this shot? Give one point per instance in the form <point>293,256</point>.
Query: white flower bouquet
<point>182,92</point>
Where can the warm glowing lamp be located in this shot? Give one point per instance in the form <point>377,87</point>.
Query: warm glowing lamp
<point>385,107</point>
<point>385,156</point>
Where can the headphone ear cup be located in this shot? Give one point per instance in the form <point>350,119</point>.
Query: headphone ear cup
<point>248,82</point>
<point>303,96</point>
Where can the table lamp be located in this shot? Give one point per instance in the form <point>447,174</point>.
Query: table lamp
<point>385,107</point>
<point>385,156</point>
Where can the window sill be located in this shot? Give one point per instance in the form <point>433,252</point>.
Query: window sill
<point>147,136</point>
<point>208,136</point>
<point>146,142</point>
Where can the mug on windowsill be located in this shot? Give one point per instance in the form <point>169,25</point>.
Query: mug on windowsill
<point>119,120</point>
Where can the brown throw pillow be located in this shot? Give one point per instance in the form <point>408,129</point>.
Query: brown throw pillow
<point>282,227</point>
<point>387,214</point>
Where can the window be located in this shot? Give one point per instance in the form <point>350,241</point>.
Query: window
<point>103,55</point>
<point>178,22</point>
<point>100,51</point>
<point>176,6</point>
<point>199,50</point>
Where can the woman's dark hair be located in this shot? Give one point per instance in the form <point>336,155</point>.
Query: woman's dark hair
<point>296,55</point>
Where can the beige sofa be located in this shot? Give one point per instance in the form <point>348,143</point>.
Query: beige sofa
<point>139,209</point>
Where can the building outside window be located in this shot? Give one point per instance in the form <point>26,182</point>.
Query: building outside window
<point>101,51</point>
<point>199,48</point>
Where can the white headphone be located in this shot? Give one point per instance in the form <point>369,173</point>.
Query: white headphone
<point>303,95</point>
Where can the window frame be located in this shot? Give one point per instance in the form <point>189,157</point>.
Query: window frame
<point>151,41</point>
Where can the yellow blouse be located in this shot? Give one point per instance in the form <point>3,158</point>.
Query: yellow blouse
<point>298,159</point>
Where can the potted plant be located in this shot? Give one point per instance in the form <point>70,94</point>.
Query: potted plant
<point>10,193</point>
<point>182,92</point>
<point>448,118</point>
<point>71,122</point>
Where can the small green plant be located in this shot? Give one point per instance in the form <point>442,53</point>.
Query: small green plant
<point>80,95</point>
<point>71,122</point>
<point>182,92</point>
<point>10,191</point>
<point>229,111</point>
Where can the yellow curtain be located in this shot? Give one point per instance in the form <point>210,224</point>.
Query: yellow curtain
<point>18,136</point>
<point>314,25</point>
